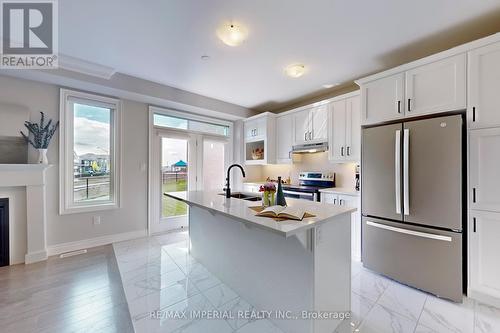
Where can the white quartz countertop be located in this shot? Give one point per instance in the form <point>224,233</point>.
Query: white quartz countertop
<point>340,190</point>
<point>238,209</point>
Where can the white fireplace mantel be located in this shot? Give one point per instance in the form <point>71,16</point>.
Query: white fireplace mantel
<point>33,177</point>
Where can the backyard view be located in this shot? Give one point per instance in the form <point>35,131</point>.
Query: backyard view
<point>91,155</point>
<point>174,173</point>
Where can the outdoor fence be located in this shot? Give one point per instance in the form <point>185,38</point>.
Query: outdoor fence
<point>169,176</point>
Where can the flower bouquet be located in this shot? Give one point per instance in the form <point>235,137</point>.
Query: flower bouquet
<point>269,190</point>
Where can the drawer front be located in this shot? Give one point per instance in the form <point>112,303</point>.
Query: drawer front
<point>424,258</point>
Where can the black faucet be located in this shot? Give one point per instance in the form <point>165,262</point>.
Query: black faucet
<point>228,190</point>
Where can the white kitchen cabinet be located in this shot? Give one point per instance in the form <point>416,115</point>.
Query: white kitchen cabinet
<point>338,124</point>
<point>255,128</point>
<point>284,138</point>
<point>260,139</point>
<point>483,88</point>
<point>301,126</point>
<point>353,129</point>
<point>319,123</point>
<point>382,99</point>
<point>345,138</point>
<point>349,201</point>
<point>311,125</point>
<point>484,248</point>
<point>436,87</point>
<point>484,165</point>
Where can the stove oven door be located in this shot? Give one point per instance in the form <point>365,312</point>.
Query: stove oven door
<point>301,195</point>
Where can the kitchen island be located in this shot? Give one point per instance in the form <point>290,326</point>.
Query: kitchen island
<point>297,270</point>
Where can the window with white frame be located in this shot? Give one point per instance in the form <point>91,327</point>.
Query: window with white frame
<point>89,152</point>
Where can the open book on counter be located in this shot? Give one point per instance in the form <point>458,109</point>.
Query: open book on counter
<point>283,212</point>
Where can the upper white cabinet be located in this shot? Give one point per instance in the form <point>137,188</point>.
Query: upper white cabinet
<point>284,138</point>
<point>382,99</point>
<point>484,81</point>
<point>484,182</point>
<point>311,125</point>
<point>436,87</point>
<point>301,126</point>
<point>256,128</point>
<point>345,138</point>
<point>433,87</point>
<point>319,123</point>
<point>260,144</point>
<point>484,247</point>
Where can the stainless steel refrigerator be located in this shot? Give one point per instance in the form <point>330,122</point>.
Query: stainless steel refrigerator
<point>412,201</point>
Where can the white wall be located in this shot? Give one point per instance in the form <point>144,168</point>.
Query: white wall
<point>61,229</point>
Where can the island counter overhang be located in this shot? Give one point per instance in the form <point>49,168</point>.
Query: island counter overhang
<point>293,266</point>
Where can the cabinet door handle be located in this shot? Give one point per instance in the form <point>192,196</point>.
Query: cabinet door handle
<point>342,151</point>
<point>340,201</point>
<point>474,113</point>
<point>409,104</point>
<point>348,151</point>
<point>474,194</point>
<point>310,135</point>
<point>399,106</point>
<point>305,136</point>
<point>474,224</point>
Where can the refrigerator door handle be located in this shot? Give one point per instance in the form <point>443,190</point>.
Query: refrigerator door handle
<point>406,169</point>
<point>410,232</point>
<point>397,172</point>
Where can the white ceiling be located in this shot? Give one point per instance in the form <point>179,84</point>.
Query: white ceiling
<point>338,40</point>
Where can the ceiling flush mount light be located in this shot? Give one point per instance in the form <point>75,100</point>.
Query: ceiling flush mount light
<point>295,70</point>
<point>232,33</point>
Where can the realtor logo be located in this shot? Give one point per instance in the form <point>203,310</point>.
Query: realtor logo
<point>29,34</point>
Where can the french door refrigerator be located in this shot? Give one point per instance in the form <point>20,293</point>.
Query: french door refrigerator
<point>412,203</point>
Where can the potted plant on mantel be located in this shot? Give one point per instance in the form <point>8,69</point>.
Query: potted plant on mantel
<point>42,134</point>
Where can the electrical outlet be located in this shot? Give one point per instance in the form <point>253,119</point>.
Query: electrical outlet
<point>96,220</point>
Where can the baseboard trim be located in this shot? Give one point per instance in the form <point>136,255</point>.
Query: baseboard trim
<point>484,298</point>
<point>93,242</point>
<point>37,256</point>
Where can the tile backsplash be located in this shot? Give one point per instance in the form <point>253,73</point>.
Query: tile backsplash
<point>344,172</point>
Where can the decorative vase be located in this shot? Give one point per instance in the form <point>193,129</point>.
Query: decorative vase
<point>280,196</point>
<point>271,198</point>
<point>265,199</point>
<point>42,156</point>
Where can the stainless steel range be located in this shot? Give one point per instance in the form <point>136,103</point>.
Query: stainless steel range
<point>309,185</point>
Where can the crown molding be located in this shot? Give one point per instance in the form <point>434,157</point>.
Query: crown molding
<point>85,67</point>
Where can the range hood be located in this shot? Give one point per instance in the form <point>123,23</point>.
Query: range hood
<point>310,148</point>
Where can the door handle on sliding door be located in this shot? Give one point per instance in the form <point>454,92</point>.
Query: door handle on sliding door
<point>406,170</point>
<point>397,171</point>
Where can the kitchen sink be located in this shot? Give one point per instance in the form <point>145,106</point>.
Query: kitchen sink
<point>244,196</point>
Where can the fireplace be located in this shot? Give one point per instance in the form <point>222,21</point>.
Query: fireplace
<point>4,232</point>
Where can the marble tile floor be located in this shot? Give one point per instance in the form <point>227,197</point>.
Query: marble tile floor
<point>158,274</point>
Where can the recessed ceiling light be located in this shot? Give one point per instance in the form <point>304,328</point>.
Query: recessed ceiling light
<point>330,85</point>
<point>295,70</point>
<point>232,33</point>
<point>205,57</point>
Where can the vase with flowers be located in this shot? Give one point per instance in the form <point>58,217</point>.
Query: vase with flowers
<point>269,190</point>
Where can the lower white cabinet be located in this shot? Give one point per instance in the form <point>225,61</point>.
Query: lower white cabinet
<point>484,251</point>
<point>349,201</point>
